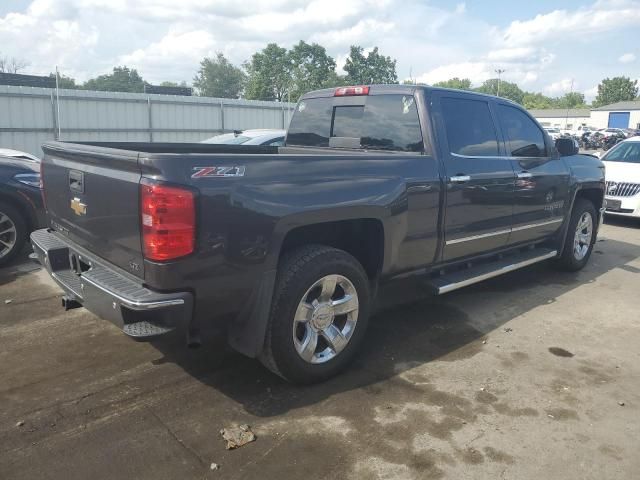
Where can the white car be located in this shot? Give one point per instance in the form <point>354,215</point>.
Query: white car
<point>553,132</point>
<point>607,132</point>
<point>622,165</point>
<point>258,136</point>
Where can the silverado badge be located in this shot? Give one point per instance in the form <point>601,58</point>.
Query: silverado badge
<point>78,207</point>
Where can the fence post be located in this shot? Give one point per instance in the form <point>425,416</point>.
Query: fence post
<point>150,120</point>
<point>54,117</point>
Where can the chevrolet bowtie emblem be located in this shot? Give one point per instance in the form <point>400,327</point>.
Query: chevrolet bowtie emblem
<point>78,207</point>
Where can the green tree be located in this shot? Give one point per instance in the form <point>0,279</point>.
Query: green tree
<point>123,79</point>
<point>455,82</point>
<point>374,68</point>
<point>537,100</point>
<point>571,100</point>
<point>218,77</point>
<point>616,89</point>
<point>269,74</point>
<point>506,90</point>
<point>65,82</point>
<point>311,68</point>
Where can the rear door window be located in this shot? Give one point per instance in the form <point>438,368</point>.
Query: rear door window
<point>523,137</point>
<point>384,122</point>
<point>469,126</point>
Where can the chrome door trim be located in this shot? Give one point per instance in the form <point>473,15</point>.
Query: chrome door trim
<point>522,175</point>
<point>535,225</point>
<point>502,232</point>
<point>477,237</point>
<point>460,178</point>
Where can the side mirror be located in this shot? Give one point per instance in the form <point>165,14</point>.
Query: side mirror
<point>567,147</point>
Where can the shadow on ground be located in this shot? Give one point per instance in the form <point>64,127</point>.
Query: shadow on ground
<point>410,328</point>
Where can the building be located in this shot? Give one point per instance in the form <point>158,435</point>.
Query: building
<point>617,115</point>
<point>562,118</point>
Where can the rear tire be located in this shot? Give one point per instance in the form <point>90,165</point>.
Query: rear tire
<point>13,233</point>
<point>581,236</point>
<point>319,314</point>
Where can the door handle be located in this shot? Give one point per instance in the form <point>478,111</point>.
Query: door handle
<point>460,178</point>
<point>525,175</point>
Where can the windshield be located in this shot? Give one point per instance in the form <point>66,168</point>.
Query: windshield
<point>628,152</point>
<point>228,139</point>
<point>384,122</point>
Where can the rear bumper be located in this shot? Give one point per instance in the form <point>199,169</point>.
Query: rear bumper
<point>109,293</point>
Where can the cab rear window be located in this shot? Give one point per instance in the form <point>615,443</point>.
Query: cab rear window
<point>384,122</point>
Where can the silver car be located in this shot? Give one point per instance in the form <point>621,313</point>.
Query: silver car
<point>272,137</point>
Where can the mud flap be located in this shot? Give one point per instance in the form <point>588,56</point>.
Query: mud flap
<point>246,333</point>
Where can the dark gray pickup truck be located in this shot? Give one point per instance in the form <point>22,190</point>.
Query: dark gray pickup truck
<point>285,246</point>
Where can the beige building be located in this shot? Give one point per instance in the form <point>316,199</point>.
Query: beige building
<point>562,118</point>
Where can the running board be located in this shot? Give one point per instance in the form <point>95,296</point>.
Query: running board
<point>459,279</point>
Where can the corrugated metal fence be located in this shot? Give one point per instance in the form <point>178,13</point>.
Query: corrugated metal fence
<point>30,116</point>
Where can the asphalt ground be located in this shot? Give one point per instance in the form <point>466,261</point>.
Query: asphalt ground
<point>531,375</point>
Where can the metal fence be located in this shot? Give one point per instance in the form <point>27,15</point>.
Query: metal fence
<point>30,116</point>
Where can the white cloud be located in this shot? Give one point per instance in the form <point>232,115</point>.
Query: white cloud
<point>165,39</point>
<point>560,87</point>
<point>627,58</point>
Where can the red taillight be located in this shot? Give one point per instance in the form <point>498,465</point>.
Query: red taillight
<point>351,91</point>
<point>168,220</point>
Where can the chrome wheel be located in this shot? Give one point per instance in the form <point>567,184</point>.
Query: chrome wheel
<point>325,319</point>
<point>584,233</point>
<point>8,235</point>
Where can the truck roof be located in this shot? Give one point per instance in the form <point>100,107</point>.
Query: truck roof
<point>400,89</point>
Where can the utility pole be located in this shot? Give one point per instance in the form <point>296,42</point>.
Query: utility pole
<point>566,118</point>
<point>499,71</point>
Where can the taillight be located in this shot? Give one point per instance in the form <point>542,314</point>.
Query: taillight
<point>168,220</point>
<point>351,91</point>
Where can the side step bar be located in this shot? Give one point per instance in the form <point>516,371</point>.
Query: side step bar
<point>462,278</point>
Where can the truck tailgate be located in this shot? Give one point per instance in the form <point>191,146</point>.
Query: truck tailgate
<point>92,196</point>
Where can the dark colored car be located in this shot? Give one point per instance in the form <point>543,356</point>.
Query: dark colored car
<point>21,209</point>
<point>287,245</point>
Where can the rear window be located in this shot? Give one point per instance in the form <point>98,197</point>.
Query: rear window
<point>384,122</point>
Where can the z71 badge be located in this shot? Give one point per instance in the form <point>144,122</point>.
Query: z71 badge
<point>202,172</point>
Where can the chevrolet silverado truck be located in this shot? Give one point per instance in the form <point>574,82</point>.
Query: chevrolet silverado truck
<point>286,246</point>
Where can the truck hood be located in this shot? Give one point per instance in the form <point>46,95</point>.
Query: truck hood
<point>622,172</point>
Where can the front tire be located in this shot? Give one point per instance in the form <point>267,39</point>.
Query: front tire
<point>13,233</point>
<point>319,314</point>
<point>581,236</point>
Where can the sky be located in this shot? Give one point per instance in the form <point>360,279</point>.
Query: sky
<point>542,45</point>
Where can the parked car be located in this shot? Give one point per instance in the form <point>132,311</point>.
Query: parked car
<point>250,137</point>
<point>7,152</point>
<point>623,178</point>
<point>288,244</point>
<point>631,132</point>
<point>618,132</point>
<point>21,208</point>
<point>553,132</point>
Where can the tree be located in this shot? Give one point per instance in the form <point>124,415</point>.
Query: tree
<point>507,89</point>
<point>122,79</point>
<point>12,65</point>
<point>455,82</point>
<point>571,100</point>
<point>311,68</point>
<point>374,68</point>
<point>537,100</point>
<point>218,77</point>
<point>269,74</point>
<point>616,89</point>
<point>65,82</point>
